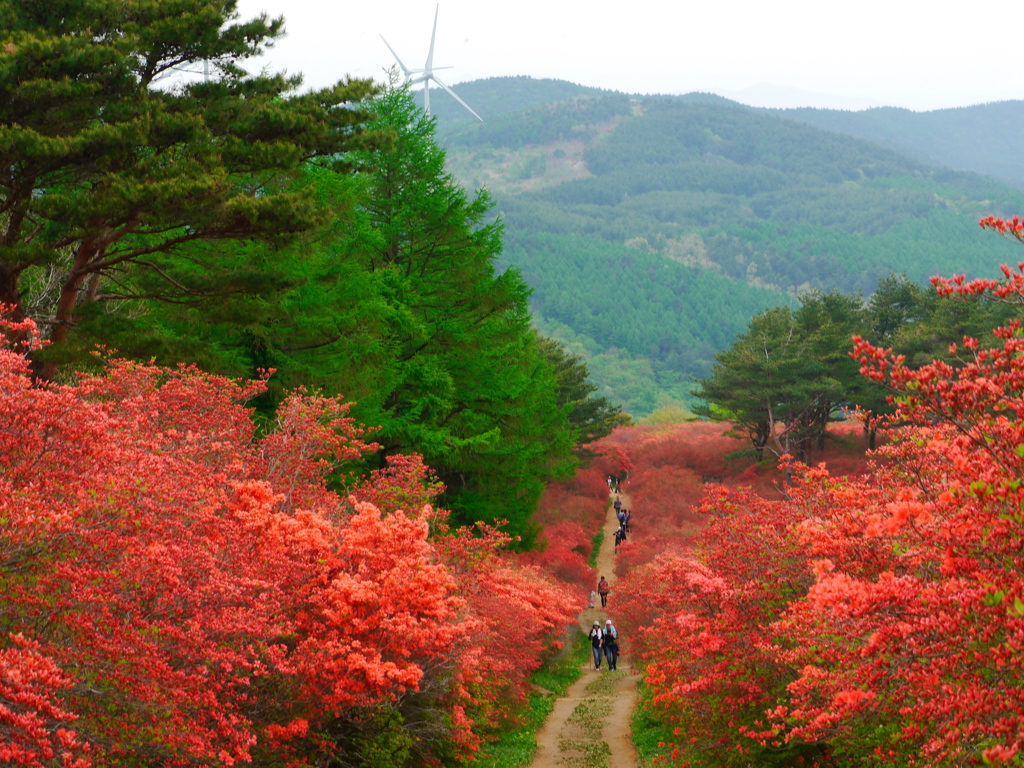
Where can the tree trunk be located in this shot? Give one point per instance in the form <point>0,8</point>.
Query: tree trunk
<point>10,305</point>
<point>65,314</point>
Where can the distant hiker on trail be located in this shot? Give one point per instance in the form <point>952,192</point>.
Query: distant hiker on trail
<point>622,518</point>
<point>593,598</point>
<point>611,644</point>
<point>603,589</point>
<point>625,524</point>
<point>596,643</point>
<point>617,504</point>
<point>620,536</point>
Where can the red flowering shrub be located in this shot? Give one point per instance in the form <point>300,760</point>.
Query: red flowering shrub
<point>700,621</point>
<point>567,547</point>
<point>178,589</point>
<point>873,619</point>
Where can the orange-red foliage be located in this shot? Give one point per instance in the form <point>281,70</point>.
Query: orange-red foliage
<point>179,589</point>
<point>570,514</point>
<point>672,464</point>
<point>870,619</point>
<point>582,500</point>
<point>565,555</point>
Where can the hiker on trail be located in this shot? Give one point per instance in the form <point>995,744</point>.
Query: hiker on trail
<point>596,643</point>
<point>625,524</point>
<point>611,644</point>
<point>622,518</point>
<point>603,589</point>
<point>593,598</point>
<point>617,505</point>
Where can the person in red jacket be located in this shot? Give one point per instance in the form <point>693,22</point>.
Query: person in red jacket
<point>603,589</point>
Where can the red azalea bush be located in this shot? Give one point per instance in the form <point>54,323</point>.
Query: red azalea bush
<point>564,556</point>
<point>700,621</point>
<point>873,619</point>
<point>180,589</point>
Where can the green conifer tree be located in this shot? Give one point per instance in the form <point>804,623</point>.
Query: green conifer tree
<point>112,164</point>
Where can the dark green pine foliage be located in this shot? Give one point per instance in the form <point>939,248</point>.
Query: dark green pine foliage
<point>591,418</point>
<point>784,378</point>
<point>790,372</point>
<point>469,387</point>
<point>111,167</point>
<point>765,382</point>
<point>394,303</point>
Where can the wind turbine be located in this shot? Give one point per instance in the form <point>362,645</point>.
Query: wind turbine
<point>426,74</point>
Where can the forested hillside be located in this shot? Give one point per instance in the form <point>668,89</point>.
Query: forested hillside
<point>621,212</point>
<point>496,96</point>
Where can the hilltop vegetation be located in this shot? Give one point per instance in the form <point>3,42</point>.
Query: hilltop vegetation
<point>652,229</point>
<point>494,96</point>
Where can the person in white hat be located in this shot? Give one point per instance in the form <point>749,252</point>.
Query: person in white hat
<point>597,643</point>
<point>611,644</point>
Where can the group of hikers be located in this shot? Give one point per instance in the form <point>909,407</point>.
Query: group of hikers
<point>624,516</point>
<point>604,642</point>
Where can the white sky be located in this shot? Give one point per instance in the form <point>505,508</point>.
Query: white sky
<point>852,55</point>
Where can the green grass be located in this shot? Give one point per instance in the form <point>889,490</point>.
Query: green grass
<point>515,746</point>
<point>595,547</point>
<point>648,731</point>
<point>565,668</point>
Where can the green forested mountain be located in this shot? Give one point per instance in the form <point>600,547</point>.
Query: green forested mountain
<point>985,138</point>
<point>651,229</point>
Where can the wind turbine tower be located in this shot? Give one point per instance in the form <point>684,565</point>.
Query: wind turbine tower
<point>426,74</point>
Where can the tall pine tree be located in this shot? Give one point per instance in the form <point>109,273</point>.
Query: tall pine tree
<point>111,165</point>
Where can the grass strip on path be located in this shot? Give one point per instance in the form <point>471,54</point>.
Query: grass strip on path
<point>515,746</point>
<point>595,547</point>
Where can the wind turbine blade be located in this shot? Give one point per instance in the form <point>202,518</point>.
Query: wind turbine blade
<point>405,70</point>
<point>426,96</point>
<point>430,56</point>
<point>457,98</point>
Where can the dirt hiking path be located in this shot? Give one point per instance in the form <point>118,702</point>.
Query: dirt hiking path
<point>590,726</point>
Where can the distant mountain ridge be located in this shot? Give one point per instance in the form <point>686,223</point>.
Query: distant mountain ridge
<point>495,96</point>
<point>984,138</point>
<point>651,228</point>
